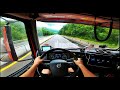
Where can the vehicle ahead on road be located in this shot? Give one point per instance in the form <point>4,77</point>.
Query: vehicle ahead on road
<point>60,38</point>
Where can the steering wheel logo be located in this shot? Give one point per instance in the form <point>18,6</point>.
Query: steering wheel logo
<point>58,65</point>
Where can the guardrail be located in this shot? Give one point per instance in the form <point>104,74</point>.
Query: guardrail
<point>18,41</point>
<point>21,49</point>
<point>79,42</point>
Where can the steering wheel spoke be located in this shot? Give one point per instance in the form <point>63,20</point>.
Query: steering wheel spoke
<point>70,60</point>
<point>71,64</point>
<point>47,65</point>
<point>46,61</point>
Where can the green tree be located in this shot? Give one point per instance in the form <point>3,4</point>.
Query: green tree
<point>44,31</point>
<point>18,31</point>
<point>87,32</point>
<point>2,23</point>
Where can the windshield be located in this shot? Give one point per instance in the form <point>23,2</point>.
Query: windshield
<point>55,35</point>
<point>70,35</point>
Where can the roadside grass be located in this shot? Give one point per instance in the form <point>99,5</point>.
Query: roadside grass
<point>113,46</point>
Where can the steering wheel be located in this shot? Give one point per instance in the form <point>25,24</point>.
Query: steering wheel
<point>58,67</point>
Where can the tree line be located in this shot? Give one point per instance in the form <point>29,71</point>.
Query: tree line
<point>87,32</point>
<point>75,30</point>
<point>17,30</point>
<point>19,33</point>
<point>43,31</point>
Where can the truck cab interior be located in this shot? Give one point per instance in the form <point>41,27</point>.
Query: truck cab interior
<point>60,49</point>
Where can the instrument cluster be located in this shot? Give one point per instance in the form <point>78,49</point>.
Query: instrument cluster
<point>58,55</point>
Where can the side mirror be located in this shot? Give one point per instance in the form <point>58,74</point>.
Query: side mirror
<point>9,43</point>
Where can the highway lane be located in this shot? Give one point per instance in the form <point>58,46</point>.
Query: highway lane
<point>56,41</point>
<point>60,42</point>
<point>15,66</point>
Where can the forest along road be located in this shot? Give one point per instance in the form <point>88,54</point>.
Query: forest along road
<point>56,41</point>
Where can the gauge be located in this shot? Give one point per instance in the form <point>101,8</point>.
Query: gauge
<point>64,56</point>
<point>51,56</point>
<point>58,56</point>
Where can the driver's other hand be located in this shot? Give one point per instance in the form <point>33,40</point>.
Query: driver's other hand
<point>37,61</point>
<point>78,62</point>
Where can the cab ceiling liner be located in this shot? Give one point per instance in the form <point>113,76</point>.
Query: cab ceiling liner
<point>82,18</point>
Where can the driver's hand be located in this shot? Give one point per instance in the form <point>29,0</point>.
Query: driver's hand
<point>37,61</point>
<point>78,62</point>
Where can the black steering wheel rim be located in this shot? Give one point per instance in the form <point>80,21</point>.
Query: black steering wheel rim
<point>64,50</point>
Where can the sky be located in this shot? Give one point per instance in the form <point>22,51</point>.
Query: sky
<point>9,19</point>
<point>55,26</point>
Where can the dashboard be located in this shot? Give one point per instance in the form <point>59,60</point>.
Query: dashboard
<point>104,59</point>
<point>97,57</point>
<point>98,60</point>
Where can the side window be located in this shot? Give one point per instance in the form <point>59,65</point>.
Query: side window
<point>19,39</point>
<point>13,39</point>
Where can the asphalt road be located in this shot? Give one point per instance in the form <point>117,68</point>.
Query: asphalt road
<point>56,41</point>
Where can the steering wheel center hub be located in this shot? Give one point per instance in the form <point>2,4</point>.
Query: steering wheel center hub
<point>59,67</point>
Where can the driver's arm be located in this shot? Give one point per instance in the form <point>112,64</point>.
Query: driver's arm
<point>84,70</point>
<point>31,71</point>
